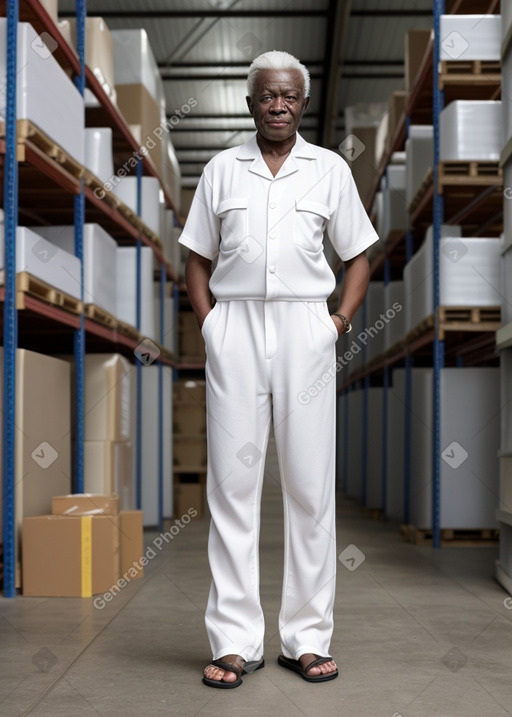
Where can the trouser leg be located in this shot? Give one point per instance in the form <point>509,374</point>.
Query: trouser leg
<point>238,422</point>
<point>303,387</point>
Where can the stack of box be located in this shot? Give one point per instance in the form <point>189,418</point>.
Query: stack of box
<point>126,190</point>
<point>419,150</point>
<point>471,130</point>
<point>108,450</point>
<point>189,431</point>
<point>99,52</point>
<point>190,339</point>
<point>396,107</point>
<point>85,547</point>
<point>470,37</point>
<point>469,274</point>
<point>98,153</point>
<point>416,44</point>
<point>40,77</point>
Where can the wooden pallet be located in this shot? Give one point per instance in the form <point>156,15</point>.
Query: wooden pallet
<point>474,72</point>
<point>451,537</point>
<point>127,330</point>
<point>423,189</point>
<point>96,313</point>
<point>29,132</point>
<point>468,318</point>
<point>420,329</point>
<point>28,284</point>
<point>96,185</point>
<point>466,173</point>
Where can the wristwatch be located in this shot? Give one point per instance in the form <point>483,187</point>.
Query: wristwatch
<point>346,322</point>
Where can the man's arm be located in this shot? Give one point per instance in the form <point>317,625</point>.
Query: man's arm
<point>198,271</point>
<point>354,288</point>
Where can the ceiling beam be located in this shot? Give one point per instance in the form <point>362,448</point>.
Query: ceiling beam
<point>339,17</point>
<point>199,14</point>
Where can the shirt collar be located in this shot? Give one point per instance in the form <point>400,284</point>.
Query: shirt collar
<point>301,148</point>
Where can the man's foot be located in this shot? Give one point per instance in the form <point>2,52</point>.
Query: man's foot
<point>322,669</point>
<point>217,673</point>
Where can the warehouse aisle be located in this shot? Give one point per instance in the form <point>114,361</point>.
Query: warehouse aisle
<point>418,634</point>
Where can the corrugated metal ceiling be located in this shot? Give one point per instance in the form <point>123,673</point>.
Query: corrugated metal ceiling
<point>204,48</point>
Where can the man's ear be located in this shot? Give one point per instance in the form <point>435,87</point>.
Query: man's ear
<point>306,103</point>
<point>249,104</point>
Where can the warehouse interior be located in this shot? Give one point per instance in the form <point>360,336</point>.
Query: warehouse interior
<point>109,112</point>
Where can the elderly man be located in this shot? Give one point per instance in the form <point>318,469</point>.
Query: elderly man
<point>255,231</point>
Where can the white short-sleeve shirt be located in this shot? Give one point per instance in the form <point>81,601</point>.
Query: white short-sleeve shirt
<point>266,233</point>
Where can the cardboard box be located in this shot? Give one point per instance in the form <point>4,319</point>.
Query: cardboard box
<point>131,537</point>
<point>68,556</point>
<point>42,434</point>
<point>189,417</point>
<point>416,43</point>
<point>80,504</point>
<point>189,451</point>
<point>363,167</point>
<point>396,107</point>
<point>139,108</point>
<point>52,8</point>
<point>108,404</point>
<point>189,495</point>
<point>108,469</point>
<point>99,51</point>
<point>190,339</point>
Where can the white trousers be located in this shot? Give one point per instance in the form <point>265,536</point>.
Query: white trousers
<point>270,360</point>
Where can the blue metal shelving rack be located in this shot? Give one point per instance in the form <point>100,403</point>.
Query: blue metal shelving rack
<point>438,95</point>
<point>79,336</point>
<point>10,313</point>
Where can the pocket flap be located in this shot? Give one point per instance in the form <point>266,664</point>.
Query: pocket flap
<point>232,203</point>
<point>307,205</point>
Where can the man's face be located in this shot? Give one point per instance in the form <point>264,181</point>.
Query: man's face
<point>278,103</point>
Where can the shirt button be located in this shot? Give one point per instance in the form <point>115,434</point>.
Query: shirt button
<point>272,205</point>
<point>272,269</point>
<point>272,235</point>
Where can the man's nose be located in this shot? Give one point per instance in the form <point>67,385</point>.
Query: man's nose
<point>278,105</point>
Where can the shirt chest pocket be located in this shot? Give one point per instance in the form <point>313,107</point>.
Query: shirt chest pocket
<point>310,220</point>
<point>234,222</point>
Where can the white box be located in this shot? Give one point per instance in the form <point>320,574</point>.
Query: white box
<point>168,340</point>
<point>171,172</point>
<point>44,260</point>
<point>469,475</point>
<point>98,152</point>
<point>506,20</point>
<point>419,150</point>
<point>471,130</point>
<point>127,285</point>
<point>126,190</point>
<point>134,62</point>
<point>470,37</point>
<point>506,286</point>
<point>395,211</point>
<point>506,404</point>
<point>374,328</point>
<point>100,264</point>
<point>374,450</point>
<point>44,94</point>
<point>394,504</point>
<point>394,308</point>
<point>506,81</point>
<point>150,393</point>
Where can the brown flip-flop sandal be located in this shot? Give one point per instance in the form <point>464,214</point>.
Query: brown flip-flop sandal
<point>296,666</point>
<point>247,669</point>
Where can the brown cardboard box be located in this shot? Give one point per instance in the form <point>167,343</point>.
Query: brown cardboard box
<point>108,469</point>
<point>52,8</point>
<point>70,557</point>
<point>108,398</point>
<point>190,391</point>
<point>416,42</point>
<point>189,451</point>
<point>78,504</point>
<point>186,496</point>
<point>139,108</point>
<point>189,417</point>
<point>99,51</point>
<point>396,107</point>
<point>42,434</point>
<point>131,538</point>
<point>190,339</point>
<point>364,169</point>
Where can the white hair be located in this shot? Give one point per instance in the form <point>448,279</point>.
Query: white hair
<point>276,60</point>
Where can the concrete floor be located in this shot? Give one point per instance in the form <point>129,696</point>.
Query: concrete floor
<point>418,634</point>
